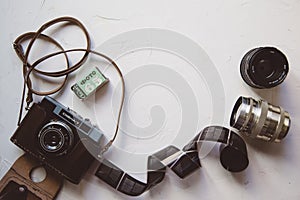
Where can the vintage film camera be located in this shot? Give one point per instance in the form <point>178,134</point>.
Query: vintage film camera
<point>59,138</point>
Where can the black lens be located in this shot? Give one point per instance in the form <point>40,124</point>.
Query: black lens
<point>55,138</point>
<point>264,67</point>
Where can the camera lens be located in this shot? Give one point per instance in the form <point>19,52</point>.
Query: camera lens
<point>55,138</point>
<point>264,67</point>
<point>259,119</point>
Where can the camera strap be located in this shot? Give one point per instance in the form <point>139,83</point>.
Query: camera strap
<point>18,184</point>
<point>233,157</point>
<point>29,68</point>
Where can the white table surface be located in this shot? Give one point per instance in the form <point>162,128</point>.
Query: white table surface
<point>225,31</point>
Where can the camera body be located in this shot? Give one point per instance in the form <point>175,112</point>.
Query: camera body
<point>59,138</point>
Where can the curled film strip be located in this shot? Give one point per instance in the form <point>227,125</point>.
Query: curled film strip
<point>233,157</point>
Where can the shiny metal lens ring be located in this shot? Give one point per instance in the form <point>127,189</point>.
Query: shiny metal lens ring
<point>55,137</point>
<point>259,119</point>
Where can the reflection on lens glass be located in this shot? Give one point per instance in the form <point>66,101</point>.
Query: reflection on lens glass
<point>53,140</point>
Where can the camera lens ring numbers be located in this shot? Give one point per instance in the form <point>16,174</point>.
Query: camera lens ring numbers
<point>55,138</point>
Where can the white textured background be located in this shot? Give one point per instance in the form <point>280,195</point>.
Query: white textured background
<point>226,30</point>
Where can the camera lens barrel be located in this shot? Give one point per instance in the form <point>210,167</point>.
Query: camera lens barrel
<point>55,138</point>
<point>259,119</point>
<point>264,67</point>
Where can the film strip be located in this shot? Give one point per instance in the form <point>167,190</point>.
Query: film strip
<point>233,157</point>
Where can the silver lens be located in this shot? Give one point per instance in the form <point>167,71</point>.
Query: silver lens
<point>56,138</point>
<point>259,119</point>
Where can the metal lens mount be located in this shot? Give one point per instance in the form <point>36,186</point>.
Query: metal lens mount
<point>264,67</point>
<point>259,119</point>
<point>56,138</point>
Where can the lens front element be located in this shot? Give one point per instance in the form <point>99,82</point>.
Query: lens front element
<point>56,138</point>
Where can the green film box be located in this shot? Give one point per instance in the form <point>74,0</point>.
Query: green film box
<point>89,83</point>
